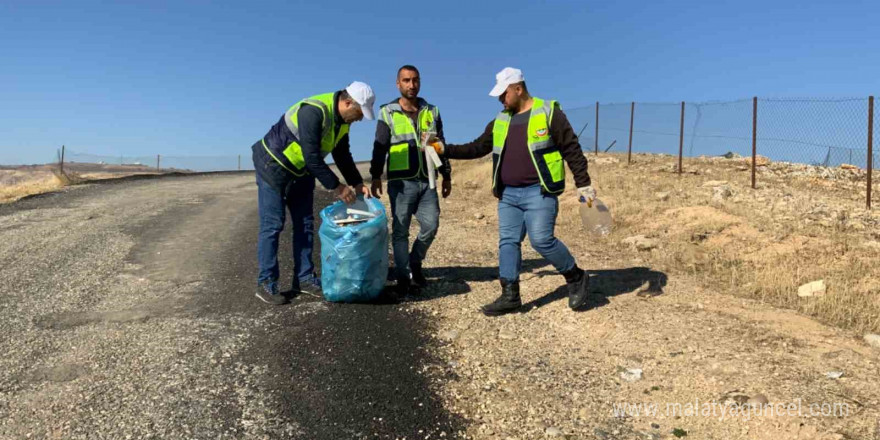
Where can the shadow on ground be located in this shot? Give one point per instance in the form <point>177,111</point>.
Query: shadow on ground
<point>454,280</point>
<point>607,283</point>
<point>338,371</point>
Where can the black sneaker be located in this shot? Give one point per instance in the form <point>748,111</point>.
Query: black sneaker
<point>267,292</point>
<point>392,274</point>
<point>311,287</point>
<point>403,287</point>
<point>418,278</point>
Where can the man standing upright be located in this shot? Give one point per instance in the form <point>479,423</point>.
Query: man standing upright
<point>287,161</point>
<point>528,141</point>
<point>398,130</point>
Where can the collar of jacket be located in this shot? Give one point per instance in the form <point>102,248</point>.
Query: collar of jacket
<point>395,104</point>
<point>336,116</point>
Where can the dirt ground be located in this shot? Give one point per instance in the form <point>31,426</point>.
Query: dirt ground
<point>729,350</point>
<point>728,327</point>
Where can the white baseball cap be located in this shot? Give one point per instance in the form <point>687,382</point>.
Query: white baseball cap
<point>504,78</point>
<point>363,95</point>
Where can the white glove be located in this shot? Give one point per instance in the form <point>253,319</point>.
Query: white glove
<point>586,195</point>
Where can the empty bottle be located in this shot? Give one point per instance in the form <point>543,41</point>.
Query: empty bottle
<point>596,217</point>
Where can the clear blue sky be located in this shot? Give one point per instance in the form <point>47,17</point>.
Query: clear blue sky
<point>198,78</point>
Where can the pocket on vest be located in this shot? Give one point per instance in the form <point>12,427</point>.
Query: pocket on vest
<point>294,154</point>
<point>398,158</point>
<point>554,163</point>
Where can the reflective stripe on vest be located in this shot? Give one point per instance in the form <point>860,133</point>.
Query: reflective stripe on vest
<point>546,157</point>
<point>329,138</point>
<point>404,158</point>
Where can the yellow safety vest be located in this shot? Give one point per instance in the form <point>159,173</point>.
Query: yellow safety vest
<point>291,156</point>
<point>545,155</point>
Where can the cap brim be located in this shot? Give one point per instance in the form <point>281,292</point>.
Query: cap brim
<point>368,112</point>
<point>498,90</point>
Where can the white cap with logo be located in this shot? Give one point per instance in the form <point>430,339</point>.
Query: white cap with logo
<point>363,95</point>
<point>504,78</point>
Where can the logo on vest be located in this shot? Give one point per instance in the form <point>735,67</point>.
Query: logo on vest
<point>541,132</point>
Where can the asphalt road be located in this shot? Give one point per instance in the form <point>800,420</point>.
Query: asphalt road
<point>127,311</point>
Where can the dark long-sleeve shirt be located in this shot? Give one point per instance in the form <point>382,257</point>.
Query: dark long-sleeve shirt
<point>561,133</point>
<point>383,143</point>
<point>517,168</point>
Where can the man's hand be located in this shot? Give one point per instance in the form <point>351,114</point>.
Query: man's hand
<point>361,189</point>
<point>344,193</point>
<point>428,137</point>
<point>587,195</point>
<point>447,187</point>
<point>438,147</point>
<point>376,187</point>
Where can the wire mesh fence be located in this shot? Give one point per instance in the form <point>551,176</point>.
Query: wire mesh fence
<point>167,163</point>
<point>811,131</point>
<point>828,133</point>
<point>820,132</point>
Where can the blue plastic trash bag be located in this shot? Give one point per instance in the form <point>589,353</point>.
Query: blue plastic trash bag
<point>354,256</point>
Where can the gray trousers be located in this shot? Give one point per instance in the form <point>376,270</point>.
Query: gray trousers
<point>408,198</point>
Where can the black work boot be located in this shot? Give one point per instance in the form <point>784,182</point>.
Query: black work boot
<point>418,278</point>
<point>509,300</point>
<point>578,283</point>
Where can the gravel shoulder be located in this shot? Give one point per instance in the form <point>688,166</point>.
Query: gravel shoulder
<point>128,312</point>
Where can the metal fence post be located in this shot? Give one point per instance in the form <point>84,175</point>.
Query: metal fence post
<point>239,162</point>
<point>61,162</point>
<point>596,140</point>
<point>870,145</point>
<point>632,112</point>
<point>681,139</point>
<point>158,158</point>
<point>754,138</point>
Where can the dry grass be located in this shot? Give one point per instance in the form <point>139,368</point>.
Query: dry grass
<point>761,243</point>
<point>16,184</point>
<point>15,187</point>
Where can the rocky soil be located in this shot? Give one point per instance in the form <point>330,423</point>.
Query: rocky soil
<point>724,255</point>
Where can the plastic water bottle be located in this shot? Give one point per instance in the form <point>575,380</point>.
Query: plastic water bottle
<point>596,217</point>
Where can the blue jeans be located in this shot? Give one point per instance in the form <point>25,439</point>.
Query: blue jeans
<point>298,199</point>
<point>524,210</point>
<point>408,198</point>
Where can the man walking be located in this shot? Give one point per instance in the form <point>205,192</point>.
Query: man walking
<point>398,130</point>
<point>528,141</point>
<point>287,161</point>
